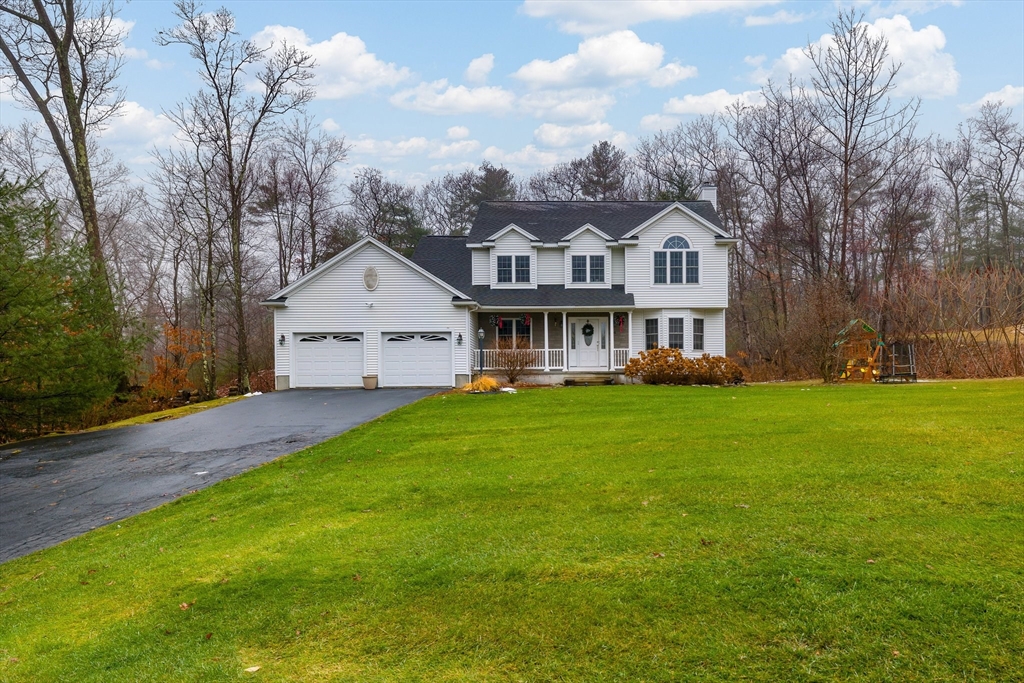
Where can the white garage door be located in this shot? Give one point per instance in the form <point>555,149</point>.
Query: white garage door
<point>417,360</point>
<point>328,360</point>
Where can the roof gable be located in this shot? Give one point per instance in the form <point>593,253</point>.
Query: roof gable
<point>336,261</point>
<point>588,227</point>
<point>551,222</point>
<point>686,211</point>
<point>511,227</point>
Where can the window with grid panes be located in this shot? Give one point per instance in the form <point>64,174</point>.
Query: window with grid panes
<point>504,269</point>
<point>676,332</point>
<point>579,268</point>
<point>651,333</point>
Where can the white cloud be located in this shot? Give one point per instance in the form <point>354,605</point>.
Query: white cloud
<point>670,74</point>
<point>457,133</point>
<point>137,127</point>
<point>330,125</point>
<point>386,149</point>
<point>457,166</point>
<point>157,65</point>
<point>780,17</point>
<point>1009,95</point>
<point>656,122</point>
<point>134,52</point>
<point>440,97</point>
<point>459,148</point>
<point>582,104</point>
<point>598,17</point>
<point>527,158</point>
<point>618,58</point>
<point>710,103</point>
<point>412,147</point>
<point>479,69</point>
<point>343,66</point>
<point>927,71</point>
<point>553,135</point>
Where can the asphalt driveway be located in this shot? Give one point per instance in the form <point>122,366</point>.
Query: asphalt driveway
<point>55,488</point>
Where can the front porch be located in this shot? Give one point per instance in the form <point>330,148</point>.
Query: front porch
<point>556,343</point>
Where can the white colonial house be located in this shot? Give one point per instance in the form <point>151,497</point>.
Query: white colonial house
<point>586,285</point>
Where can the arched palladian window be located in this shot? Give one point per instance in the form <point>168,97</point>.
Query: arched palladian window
<point>676,263</point>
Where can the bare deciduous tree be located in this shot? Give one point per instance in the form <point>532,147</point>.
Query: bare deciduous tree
<point>65,56</point>
<point>233,118</point>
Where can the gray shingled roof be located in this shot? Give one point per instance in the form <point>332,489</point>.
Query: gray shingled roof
<point>552,221</point>
<point>449,259</point>
<point>553,296</point>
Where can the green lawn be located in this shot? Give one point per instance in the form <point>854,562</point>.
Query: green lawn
<point>780,532</point>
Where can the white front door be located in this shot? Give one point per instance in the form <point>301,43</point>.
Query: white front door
<point>588,343</point>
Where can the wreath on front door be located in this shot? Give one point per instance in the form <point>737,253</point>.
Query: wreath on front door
<point>588,330</point>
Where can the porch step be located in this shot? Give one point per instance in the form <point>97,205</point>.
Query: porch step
<point>589,380</point>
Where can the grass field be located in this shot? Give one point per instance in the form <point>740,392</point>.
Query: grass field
<point>783,532</point>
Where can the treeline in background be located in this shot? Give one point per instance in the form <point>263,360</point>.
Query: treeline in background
<point>119,294</point>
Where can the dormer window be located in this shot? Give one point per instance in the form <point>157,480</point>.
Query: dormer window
<point>581,273</point>
<point>508,274</point>
<point>676,263</point>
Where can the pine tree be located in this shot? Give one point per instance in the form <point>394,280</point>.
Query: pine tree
<point>58,352</point>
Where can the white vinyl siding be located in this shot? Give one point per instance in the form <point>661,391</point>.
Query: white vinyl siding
<point>618,267</point>
<point>712,291</point>
<point>512,244</point>
<point>481,267</point>
<point>587,244</point>
<point>550,265</point>
<point>338,302</point>
<point>714,329</point>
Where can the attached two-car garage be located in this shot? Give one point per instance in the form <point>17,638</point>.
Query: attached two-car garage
<point>370,317</point>
<point>409,359</point>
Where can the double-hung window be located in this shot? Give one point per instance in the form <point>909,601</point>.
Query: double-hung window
<point>507,274</point>
<point>698,334</point>
<point>597,268</point>
<point>651,333</point>
<point>522,268</point>
<point>676,332</point>
<point>676,263</point>
<point>504,269</point>
<point>579,268</point>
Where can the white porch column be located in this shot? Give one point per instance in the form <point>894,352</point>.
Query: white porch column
<point>546,362</point>
<point>565,342</point>
<point>611,340</point>
<point>629,334</point>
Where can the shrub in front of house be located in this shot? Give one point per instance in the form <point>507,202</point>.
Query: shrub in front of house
<point>670,366</point>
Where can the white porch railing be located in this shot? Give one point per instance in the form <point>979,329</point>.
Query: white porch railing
<point>556,358</point>
<point>536,360</point>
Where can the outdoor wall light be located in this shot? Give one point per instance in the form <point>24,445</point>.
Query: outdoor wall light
<point>458,340</point>
<point>280,340</point>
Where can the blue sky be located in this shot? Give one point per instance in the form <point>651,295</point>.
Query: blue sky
<point>419,88</point>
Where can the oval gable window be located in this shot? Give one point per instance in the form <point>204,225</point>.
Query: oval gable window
<point>370,278</point>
